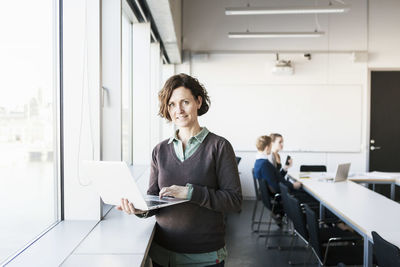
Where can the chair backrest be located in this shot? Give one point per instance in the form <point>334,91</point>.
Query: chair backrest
<point>313,168</point>
<point>285,200</point>
<point>256,188</point>
<point>265,194</point>
<point>313,231</point>
<point>238,160</point>
<point>386,253</point>
<point>299,219</point>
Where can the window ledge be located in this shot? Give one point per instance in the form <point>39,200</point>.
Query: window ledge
<point>119,239</point>
<point>55,246</point>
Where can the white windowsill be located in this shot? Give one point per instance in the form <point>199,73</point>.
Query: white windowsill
<point>119,239</point>
<point>55,246</point>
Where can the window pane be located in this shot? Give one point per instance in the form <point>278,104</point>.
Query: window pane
<point>126,89</point>
<point>27,129</point>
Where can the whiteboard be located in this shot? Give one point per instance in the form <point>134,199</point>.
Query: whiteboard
<point>320,118</point>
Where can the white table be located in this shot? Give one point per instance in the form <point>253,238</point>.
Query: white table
<point>373,178</point>
<point>362,209</point>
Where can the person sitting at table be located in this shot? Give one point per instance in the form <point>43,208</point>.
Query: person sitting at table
<point>275,158</point>
<point>263,168</point>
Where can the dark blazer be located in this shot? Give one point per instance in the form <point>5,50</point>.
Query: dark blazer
<point>263,169</point>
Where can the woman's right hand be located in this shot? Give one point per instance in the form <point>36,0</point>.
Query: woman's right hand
<point>290,164</point>
<point>128,207</point>
<point>290,161</point>
<point>297,185</point>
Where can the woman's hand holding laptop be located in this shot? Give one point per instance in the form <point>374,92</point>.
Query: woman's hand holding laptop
<point>128,207</point>
<point>175,191</point>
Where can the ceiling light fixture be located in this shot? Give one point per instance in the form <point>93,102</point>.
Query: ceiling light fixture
<point>274,34</point>
<point>286,10</point>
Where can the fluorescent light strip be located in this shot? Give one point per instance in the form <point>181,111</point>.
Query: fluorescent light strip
<point>285,10</point>
<point>274,34</point>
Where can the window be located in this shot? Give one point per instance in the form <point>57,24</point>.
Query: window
<point>126,89</point>
<point>28,119</point>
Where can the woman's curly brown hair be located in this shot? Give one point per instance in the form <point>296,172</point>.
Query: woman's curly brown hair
<point>176,81</point>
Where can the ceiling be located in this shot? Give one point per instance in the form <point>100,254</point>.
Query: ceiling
<point>202,26</point>
<point>205,26</point>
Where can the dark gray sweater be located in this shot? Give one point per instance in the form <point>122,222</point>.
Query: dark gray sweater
<point>196,226</point>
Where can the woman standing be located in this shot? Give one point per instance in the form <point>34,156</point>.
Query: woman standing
<point>197,165</point>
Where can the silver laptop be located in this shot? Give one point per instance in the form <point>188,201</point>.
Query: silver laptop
<point>113,180</point>
<point>342,173</point>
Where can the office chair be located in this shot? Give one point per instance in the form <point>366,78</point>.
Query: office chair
<point>341,246</point>
<point>285,201</point>
<point>258,198</point>
<point>270,202</point>
<point>386,253</point>
<point>313,168</point>
<point>238,160</point>
<point>299,222</point>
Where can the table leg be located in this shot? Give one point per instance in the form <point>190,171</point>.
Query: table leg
<point>367,252</point>
<point>392,190</point>
<point>321,211</point>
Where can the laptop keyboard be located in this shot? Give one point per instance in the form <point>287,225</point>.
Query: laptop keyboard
<point>154,203</point>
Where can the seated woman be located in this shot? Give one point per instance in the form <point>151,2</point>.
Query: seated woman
<point>275,158</point>
<point>263,168</point>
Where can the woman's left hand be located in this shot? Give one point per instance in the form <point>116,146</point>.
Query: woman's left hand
<point>174,191</point>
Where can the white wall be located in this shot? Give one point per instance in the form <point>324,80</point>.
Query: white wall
<point>141,93</point>
<point>369,26</point>
<point>111,65</point>
<point>81,69</point>
<point>249,69</point>
<point>383,34</point>
<point>155,84</point>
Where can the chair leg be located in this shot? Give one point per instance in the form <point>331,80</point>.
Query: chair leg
<point>253,217</point>
<point>268,230</point>
<point>294,237</point>
<point>259,220</point>
<point>254,210</point>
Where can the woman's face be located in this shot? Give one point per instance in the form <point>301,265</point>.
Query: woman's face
<point>182,107</point>
<point>277,145</point>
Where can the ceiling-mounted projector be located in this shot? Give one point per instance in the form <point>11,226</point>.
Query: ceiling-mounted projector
<point>283,67</point>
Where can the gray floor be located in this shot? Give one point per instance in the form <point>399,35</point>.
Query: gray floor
<point>247,249</point>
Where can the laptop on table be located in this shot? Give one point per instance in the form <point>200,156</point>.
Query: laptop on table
<point>342,173</point>
<point>113,180</point>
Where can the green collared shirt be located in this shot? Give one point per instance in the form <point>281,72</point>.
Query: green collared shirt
<point>192,145</point>
<point>164,256</point>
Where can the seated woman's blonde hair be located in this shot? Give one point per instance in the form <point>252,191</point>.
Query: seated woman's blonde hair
<point>274,136</point>
<point>262,142</point>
